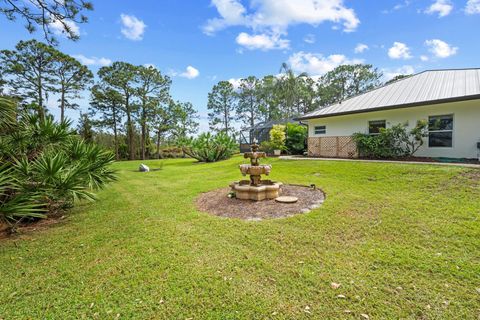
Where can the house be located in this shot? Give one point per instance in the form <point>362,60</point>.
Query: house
<point>448,98</point>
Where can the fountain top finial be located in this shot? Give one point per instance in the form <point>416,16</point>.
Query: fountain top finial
<point>254,155</point>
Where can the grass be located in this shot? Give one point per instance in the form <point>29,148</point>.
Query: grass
<point>402,241</point>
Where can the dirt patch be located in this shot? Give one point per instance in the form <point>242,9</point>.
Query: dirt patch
<point>473,175</point>
<point>218,203</point>
<point>29,227</point>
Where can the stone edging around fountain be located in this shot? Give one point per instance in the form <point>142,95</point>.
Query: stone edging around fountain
<point>216,202</point>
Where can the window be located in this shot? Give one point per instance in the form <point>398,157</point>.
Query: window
<point>320,129</point>
<point>375,126</point>
<point>440,131</point>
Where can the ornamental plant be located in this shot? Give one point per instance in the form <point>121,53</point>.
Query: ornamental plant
<point>296,137</point>
<point>277,137</point>
<point>45,167</point>
<point>397,141</point>
<point>209,148</point>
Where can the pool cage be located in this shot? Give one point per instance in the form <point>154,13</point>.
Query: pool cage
<point>259,133</point>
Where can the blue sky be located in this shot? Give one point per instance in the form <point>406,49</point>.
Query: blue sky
<point>200,42</point>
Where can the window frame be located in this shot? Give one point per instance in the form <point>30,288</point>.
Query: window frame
<point>441,131</point>
<point>320,133</point>
<point>375,133</point>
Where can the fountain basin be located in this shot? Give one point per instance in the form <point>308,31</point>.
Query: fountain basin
<point>266,190</point>
<point>255,170</point>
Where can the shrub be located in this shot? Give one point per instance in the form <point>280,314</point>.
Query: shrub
<point>209,148</point>
<point>45,166</point>
<point>393,142</point>
<point>171,152</point>
<point>277,137</point>
<point>296,138</point>
<point>266,146</point>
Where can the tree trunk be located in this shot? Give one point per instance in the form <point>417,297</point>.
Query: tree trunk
<point>158,144</point>
<point>252,113</point>
<point>40,110</point>
<point>62,104</point>
<point>115,136</point>
<point>143,124</point>
<point>225,117</point>
<point>131,147</point>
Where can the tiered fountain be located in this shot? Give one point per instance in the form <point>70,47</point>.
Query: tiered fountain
<point>255,188</point>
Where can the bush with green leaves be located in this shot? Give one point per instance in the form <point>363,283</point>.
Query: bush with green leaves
<point>394,142</point>
<point>277,139</point>
<point>296,138</point>
<point>209,148</point>
<point>45,167</point>
<point>171,152</point>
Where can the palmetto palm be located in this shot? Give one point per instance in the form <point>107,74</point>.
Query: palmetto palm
<point>45,166</point>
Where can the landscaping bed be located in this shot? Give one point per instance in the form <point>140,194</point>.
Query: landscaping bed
<point>217,202</point>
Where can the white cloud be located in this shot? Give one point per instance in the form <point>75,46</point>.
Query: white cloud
<point>231,13</point>
<point>190,73</point>
<point>275,16</point>
<point>309,38</point>
<point>262,41</point>
<point>473,7</point>
<point>424,58</point>
<point>399,51</point>
<point>316,64</point>
<point>282,13</point>
<point>93,61</point>
<point>398,6</point>
<point>441,49</point>
<point>440,7</point>
<point>361,47</point>
<point>235,82</point>
<point>59,29</point>
<point>389,74</point>
<point>133,28</point>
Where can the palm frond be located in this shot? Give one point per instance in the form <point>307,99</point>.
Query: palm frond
<point>7,113</point>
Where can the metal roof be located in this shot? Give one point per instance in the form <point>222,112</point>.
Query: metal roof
<point>428,87</point>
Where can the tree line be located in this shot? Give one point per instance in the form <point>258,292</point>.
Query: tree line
<point>131,109</point>
<point>128,101</point>
<point>285,95</point>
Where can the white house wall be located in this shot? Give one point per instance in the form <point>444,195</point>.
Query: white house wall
<point>466,126</point>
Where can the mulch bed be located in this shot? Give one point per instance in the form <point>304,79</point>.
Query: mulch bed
<point>218,203</point>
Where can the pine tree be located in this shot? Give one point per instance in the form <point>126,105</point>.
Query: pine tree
<point>71,78</point>
<point>248,111</point>
<point>221,102</point>
<point>121,77</point>
<point>108,105</point>
<point>30,67</point>
<point>153,90</point>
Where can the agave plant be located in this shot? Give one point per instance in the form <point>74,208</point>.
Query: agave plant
<point>45,166</point>
<point>210,148</point>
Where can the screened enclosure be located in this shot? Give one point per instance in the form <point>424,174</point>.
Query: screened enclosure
<point>259,133</point>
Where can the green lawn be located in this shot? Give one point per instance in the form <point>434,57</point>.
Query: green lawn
<point>402,240</point>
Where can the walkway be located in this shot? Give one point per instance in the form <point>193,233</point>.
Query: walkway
<point>466,165</point>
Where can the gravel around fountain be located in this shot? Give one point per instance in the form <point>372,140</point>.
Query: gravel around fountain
<point>218,203</point>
